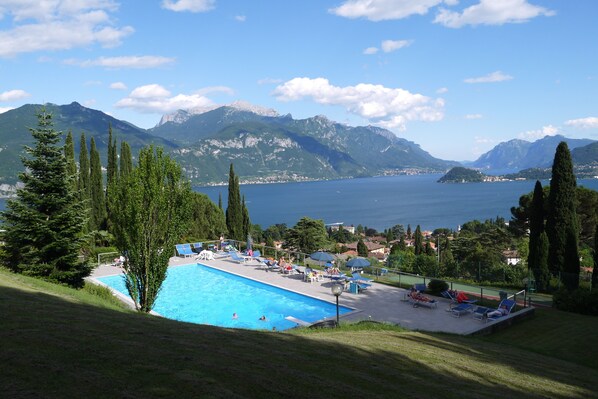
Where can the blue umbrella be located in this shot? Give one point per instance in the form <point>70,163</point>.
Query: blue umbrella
<point>358,262</point>
<point>322,256</point>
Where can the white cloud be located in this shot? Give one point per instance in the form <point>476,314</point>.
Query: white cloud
<point>5,109</point>
<point>241,18</point>
<point>492,12</point>
<point>389,107</point>
<point>188,5</point>
<point>154,98</point>
<point>442,90</point>
<point>215,89</point>
<point>493,77</point>
<point>370,50</point>
<point>53,25</point>
<point>533,135</point>
<point>379,10</point>
<point>13,95</point>
<point>393,45</point>
<point>583,123</point>
<point>137,62</point>
<point>473,116</point>
<point>118,86</point>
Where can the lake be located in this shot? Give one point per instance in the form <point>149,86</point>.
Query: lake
<point>380,202</point>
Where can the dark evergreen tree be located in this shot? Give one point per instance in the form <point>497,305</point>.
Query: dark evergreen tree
<point>126,159</point>
<point>220,200</point>
<point>207,220</point>
<point>246,220</point>
<point>595,270</point>
<point>44,224</point>
<point>402,246</point>
<point>362,249</point>
<point>418,241</point>
<point>234,211</point>
<point>536,260</point>
<point>71,165</point>
<point>428,250</point>
<point>562,227</point>
<point>98,198</point>
<point>83,182</point>
<point>112,161</point>
<point>409,231</point>
<point>307,236</point>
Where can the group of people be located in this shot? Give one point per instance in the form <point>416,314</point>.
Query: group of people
<point>262,318</point>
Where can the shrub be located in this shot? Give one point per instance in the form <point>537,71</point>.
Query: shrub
<point>581,301</point>
<point>437,286</point>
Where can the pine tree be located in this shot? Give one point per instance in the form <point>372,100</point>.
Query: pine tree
<point>409,231</point>
<point>220,201</point>
<point>126,159</point>
<point>419,241</point>
<point>562,227</point>
<point>234,211</point>
<point>44,224</point>
<point>98,198</point>
<point>71,165</point>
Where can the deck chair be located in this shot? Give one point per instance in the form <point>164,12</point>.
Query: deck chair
<point>197,247</point>
<point>480,312</point>
<point>461,309</point>
<point>416,299</point>
<point>420,287</point>
<point>455,301</point>
<point>356,287</point>
<point>359,277</point>
<point>235,257</point>
<point>506,304</point>
<point>184,250</point>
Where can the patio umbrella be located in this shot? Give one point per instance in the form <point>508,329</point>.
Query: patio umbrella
<point>322,257</point>
<point>358,262</point>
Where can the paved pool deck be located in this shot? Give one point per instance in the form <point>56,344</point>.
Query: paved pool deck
<point>380,302</point>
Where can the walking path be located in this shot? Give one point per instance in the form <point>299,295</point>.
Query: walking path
<point>380,302</point>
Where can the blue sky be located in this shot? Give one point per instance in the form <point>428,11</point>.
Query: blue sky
<point>456,77</point>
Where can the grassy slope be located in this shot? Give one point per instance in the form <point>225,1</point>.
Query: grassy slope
<point>60,344</point>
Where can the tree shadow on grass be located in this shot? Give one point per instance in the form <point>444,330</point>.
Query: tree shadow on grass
<point>55,348</point>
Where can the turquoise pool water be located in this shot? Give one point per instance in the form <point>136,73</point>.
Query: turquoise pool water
<point>200,294</point>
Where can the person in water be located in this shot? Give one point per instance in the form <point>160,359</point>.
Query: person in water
<point>263,318</point>
<point>235,316</point>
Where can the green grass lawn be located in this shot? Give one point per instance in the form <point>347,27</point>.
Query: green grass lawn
<point>56,343</point>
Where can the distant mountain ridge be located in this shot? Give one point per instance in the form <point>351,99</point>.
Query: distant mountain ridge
<point>515,155</point>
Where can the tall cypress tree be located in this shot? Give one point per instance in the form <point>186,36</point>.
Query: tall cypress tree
<point>419,241</point>
<point>126,159</point>
<point>220,201</point>
<point>69,154</point>
<point>562,226</point>
<point>111,164</point>
<point>595,271</point>
<point>98,199</point>
<point>536,259</point>
<point>83,182</point>
<point>44,224</point>
<point>246,220</point>
<point>234,211</point>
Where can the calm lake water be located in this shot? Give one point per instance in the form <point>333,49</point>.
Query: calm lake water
<point>380,202</point>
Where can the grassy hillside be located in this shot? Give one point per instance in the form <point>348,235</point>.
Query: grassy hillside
<point>60,343</point>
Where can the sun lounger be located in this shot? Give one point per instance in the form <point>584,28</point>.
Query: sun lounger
<point>356,287</point>
<point>417,299</point>
<point>480,312</point>
<point>455,301</point>
<point>197,247</point>
<point>235,257</point>
<point>359,277</point>
<point>184,250</point>
<point>461,309</point>
<point>504,309</point>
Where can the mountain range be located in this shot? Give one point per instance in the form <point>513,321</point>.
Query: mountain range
<point>267,147</point>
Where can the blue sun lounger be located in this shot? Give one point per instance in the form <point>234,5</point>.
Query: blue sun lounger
<point>184,250</point>
<point>461,309</point>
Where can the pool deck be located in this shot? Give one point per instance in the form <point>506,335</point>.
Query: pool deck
<point>379,302</point>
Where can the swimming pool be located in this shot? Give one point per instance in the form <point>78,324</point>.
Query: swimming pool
<point>200,294</point>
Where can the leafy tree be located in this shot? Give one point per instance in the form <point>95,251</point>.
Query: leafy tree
<point>362,249</point>
<point>71,165</point>
<point>98,197</point>
<point>307,236</point>
<point>418,241</point>
<point>44,224</point>
<point>151,211</point>
<point>207,220</point>
<point>275,232</point>
<point>561,224</point>
<point>359,230</point>
<point>234,210</point>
